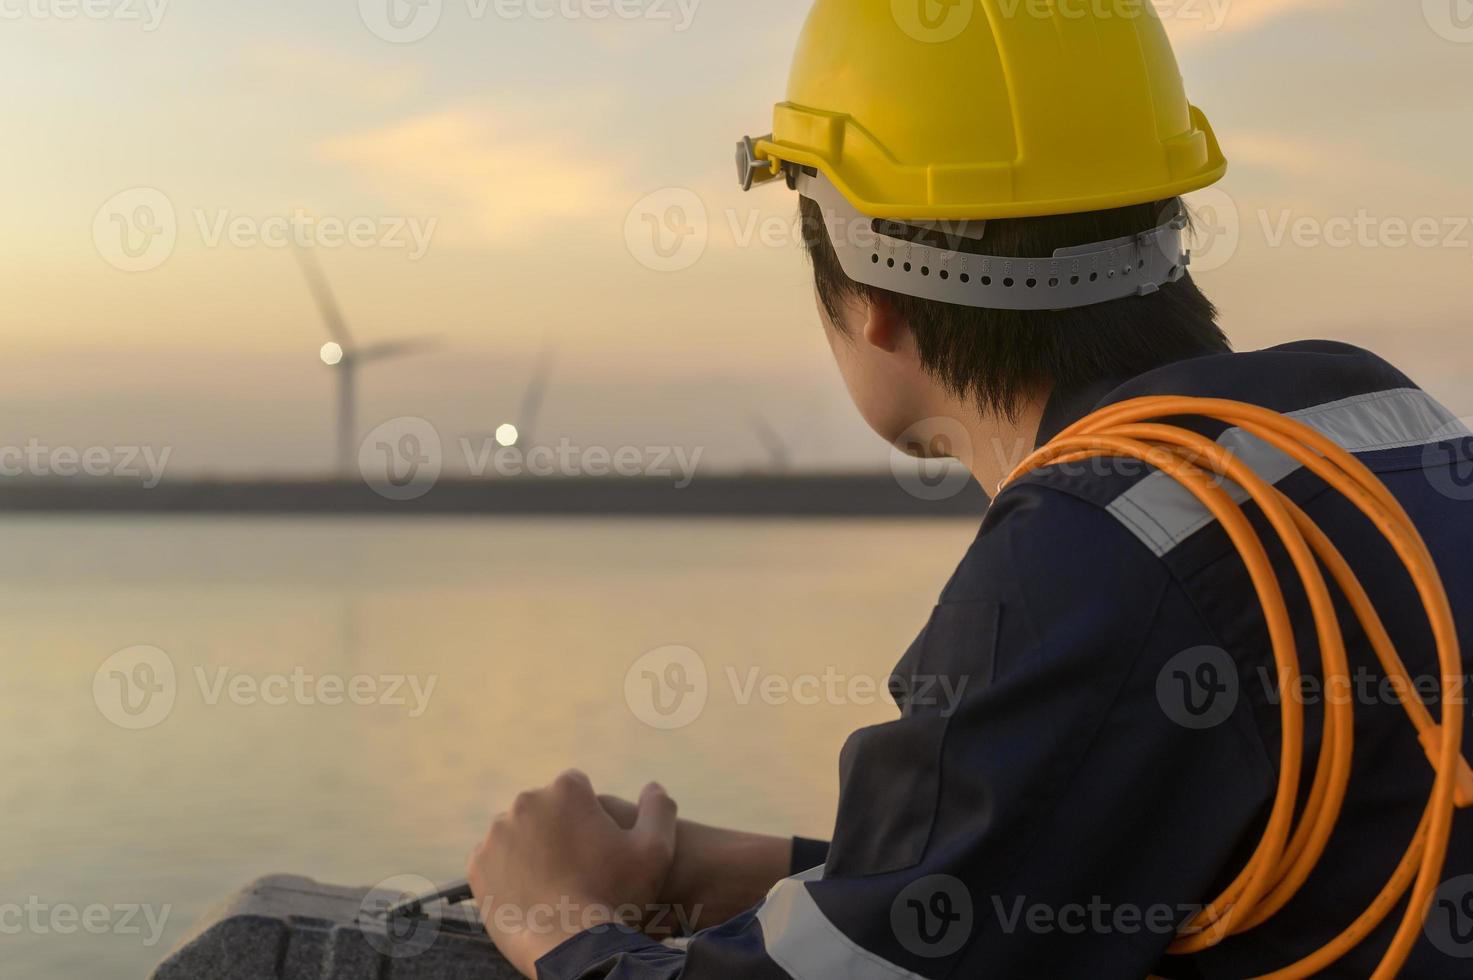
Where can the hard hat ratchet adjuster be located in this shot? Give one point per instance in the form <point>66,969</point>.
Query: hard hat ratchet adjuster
<point>753,169</point>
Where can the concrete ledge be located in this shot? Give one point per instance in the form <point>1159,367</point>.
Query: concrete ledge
<point>286,927</point>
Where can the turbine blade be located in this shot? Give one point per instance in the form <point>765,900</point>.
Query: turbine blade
<point>396,348</point>
<point>327,304</point>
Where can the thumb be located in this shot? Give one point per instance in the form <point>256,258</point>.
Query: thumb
<point>655,822</point>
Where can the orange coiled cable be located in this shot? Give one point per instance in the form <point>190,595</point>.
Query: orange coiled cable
<point>1288,852</point>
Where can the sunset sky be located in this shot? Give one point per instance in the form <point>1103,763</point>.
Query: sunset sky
<point>520,147</point>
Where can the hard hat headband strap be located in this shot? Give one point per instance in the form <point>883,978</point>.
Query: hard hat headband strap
<point>929,264</point>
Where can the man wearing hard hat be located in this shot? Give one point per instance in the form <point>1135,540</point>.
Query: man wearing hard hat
<point>1217,587</point>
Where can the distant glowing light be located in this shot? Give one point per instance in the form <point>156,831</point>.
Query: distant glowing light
<point>332,353</point>
<point>507,435</point>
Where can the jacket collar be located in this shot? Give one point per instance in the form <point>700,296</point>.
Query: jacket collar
<point>1066,407</point>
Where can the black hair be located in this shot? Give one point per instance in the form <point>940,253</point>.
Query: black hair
<point>1001,358</point>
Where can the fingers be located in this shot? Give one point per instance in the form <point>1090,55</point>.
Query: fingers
<point>572,792</point>
<point>573,779</point>
<point>476,862</point>
<point>655,822</point>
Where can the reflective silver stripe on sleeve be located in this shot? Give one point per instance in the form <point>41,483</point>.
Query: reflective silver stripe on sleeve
<point>1163,515</point>
<point>799,938</point>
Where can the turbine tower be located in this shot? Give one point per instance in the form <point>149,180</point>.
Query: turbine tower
<point>345,357</point>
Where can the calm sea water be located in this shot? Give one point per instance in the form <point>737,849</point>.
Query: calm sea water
<point>519,635</point>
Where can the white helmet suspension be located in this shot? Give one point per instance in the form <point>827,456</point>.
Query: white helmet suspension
<point>926,259</point>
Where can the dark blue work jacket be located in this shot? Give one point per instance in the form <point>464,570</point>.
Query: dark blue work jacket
<point>1111,759</point>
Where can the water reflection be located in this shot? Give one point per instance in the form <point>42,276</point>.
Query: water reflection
<point>522,634</point>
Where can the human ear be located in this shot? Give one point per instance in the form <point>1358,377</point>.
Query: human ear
<point>884,327</point>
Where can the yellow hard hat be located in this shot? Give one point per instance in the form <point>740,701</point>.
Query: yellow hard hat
<point>979,109</point>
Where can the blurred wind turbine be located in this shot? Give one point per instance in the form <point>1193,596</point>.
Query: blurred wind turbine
<point>779,459</point>
<point>519,433</point>
<point>535,395</point>
<point>344,356</point>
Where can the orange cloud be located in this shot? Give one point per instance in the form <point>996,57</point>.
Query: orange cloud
<point>505,177</point>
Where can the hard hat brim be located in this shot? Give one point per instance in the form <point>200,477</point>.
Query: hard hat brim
<point>858,166</point>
